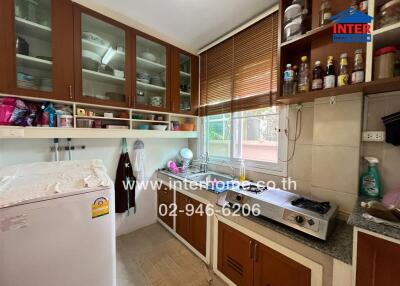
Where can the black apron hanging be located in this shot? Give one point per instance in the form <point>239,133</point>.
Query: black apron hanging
<point>125,182</point>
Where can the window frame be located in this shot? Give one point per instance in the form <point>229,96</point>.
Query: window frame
<point>277,169</point>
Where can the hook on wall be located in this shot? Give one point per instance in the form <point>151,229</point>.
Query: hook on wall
<point>332,100</point>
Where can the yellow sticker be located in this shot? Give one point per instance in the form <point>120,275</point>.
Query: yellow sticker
<point>100,207</point>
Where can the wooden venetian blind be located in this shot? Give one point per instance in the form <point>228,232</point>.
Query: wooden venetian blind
<point>241,73</point>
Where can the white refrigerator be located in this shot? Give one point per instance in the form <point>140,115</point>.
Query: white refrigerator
<point>57,225</point>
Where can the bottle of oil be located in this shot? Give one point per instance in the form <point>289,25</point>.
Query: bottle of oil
<point>358,74</point>
<point>325,12</point>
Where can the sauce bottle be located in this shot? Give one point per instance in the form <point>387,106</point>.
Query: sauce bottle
<point>317,82</point>
<point>343,77</point>
<point>358,73</point>
<point>330,75</point>
<point>325,12</point>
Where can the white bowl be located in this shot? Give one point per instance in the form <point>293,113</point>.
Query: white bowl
<point>159,127</point>
<point>91,55</point>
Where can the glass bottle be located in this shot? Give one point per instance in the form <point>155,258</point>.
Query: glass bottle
<point>304,79</point>
<point>317,77</point>
<point>330,75</point>
<point>288,79</point>
<point>295,79</point>
<point>359,68</point>
<point>343,77</point>
<point>355,4</point>
<point>325,12</point>
<point>363,6</point>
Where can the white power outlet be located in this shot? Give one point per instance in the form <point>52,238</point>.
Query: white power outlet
<point>374,136</point>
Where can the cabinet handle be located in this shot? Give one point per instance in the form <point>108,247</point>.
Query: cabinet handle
<point>70,91</point>
<point>256,252</point>
<point>251,249</point>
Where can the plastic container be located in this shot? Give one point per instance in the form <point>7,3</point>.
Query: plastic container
<point>384,62</point>
<point>84,123</point>
<point>389,13</point>
<point>65,121</point>
<point>370,183</point>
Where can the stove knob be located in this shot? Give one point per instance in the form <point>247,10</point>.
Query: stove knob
<point>311,222</point>
<point>299,219</point>
<point>239,198</point>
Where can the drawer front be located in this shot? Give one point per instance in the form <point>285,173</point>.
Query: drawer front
<point>165,201</point>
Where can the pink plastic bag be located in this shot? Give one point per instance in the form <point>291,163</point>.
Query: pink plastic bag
<point>7,107</point>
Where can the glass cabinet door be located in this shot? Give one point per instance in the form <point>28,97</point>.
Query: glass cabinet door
<point>34,62</point>
<point>103,61</point>
<point>151,74</point>
<point>185,86</point>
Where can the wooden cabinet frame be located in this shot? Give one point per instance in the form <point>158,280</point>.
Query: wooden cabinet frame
<point>167,46</point>
<point>176,80</point>
<point>316,269</point>
<point>62,52</point>
<point>78,11</point>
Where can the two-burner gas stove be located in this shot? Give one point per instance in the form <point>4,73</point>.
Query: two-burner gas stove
<point>311,217</point>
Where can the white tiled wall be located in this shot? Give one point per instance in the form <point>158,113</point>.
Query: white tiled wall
<point>388,155</point>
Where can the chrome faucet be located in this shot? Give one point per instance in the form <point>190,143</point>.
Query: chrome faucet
<point>204,163</point>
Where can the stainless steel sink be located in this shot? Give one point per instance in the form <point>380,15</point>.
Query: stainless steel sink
<point>209,177</point>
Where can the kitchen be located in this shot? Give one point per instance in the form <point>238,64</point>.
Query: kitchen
<point>258,146</point>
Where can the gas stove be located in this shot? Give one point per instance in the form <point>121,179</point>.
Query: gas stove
<point>309,216</point>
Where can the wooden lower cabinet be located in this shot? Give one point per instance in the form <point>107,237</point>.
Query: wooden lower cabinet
<point>246,262</point>
<point>235,255</point>
<point>378,261</point>
<point>165,201</point>
<point>274,269</point>
<point>192,228</point>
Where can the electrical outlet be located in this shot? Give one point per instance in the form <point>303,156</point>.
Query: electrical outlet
<point>374,136</point>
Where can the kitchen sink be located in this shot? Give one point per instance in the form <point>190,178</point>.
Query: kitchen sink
<point>209,178</point>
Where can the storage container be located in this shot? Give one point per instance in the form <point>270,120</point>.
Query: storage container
<point>389,13</point>
<point>384,61</point>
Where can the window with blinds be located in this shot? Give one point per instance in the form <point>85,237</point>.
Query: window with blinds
<point>241,72</point>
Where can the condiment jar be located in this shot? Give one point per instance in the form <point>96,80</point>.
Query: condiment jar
<point>384,60</point>
<point>389,13</point>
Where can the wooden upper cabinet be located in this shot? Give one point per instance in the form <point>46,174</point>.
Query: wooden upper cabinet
<point>152,68</point>
<point>378,261</point>
<point>274,269</point>
<point>102,59</point>
<point>235,255</point>
<point>184,82</point>
<point>37,48</point>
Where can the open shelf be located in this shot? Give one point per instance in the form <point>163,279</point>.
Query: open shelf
<point>97,76</point>
<point>102,118</point>
<point>32,62</point>
<point>308,36</point>
<point>149,121</point>
<point>32,29</point>
<point>386,36</point>
<point>378,86</point>
<point>48,133</point>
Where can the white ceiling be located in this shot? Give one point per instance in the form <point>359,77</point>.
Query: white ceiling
<point>193,23</point>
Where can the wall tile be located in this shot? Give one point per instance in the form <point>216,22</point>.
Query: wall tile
<point>307,119</point>
<point>345,201</point>
<point>338,124</point>
<point>300,166</point>
<point>336,168</point>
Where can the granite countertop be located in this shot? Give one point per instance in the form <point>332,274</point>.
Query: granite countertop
<point>339,244</point>
<point>356,219</point>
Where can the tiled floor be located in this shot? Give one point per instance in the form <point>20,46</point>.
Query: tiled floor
<point>152,256</point>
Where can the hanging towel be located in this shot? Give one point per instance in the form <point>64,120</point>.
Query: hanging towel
<point>139,159</point>
<point>125,182</point>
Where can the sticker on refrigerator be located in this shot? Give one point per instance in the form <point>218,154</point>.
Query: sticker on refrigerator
<point>100,207</point>
<point>12,223</point>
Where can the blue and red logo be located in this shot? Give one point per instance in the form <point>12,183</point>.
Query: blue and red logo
<point>352,26</point>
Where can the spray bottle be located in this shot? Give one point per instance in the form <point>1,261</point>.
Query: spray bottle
<point>370,183</point>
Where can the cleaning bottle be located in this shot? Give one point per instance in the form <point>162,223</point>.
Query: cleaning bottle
<point>242,171</point>
<point>371,184</point>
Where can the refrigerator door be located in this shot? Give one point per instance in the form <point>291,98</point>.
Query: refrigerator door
<point>65,241</point>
